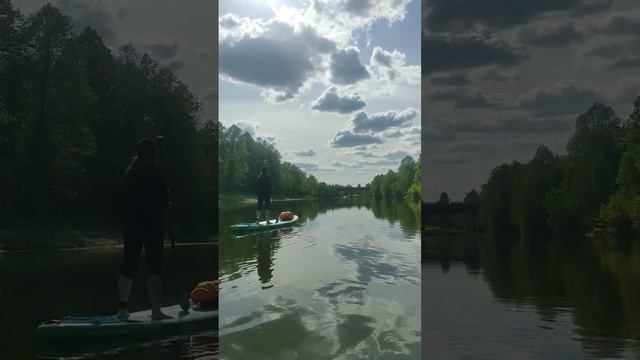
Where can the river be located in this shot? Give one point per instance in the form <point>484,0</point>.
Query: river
<point>486,298</point>
<point>343,284</point>
<point>42,285</point>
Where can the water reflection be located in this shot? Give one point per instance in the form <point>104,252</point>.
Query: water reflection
<point>342,284</point>
<point>586,293</point>
<point>31,285</point>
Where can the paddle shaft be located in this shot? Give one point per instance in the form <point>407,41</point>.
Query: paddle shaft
<point>183,299</point>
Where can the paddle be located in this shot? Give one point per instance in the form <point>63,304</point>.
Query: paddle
<point>183,296</point>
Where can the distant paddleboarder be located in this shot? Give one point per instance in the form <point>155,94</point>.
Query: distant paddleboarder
<point>146,199</point>
<point>264,195</point>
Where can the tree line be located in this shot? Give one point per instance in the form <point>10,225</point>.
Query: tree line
<point>242,157</point>
<point>594,186</point>
<point>403,183</point>
<point>71,112</point>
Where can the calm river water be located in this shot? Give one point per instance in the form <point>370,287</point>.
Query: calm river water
<point>43,285</point>
<point>344,284</point>
<point>485,298</point>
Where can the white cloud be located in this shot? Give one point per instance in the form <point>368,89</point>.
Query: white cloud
<point>306,153</point>
<point>392,67</point>
<point>277,56</point>
<point>383,121</point>
<point>331,101</point>
<point>347,138</point>
<point>345,67</point>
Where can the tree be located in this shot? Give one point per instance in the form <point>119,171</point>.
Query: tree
<point>472,198</point>
<point>590,170</point>
<point>444,199</point>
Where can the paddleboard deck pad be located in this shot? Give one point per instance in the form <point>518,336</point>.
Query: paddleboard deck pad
<point>138,325</point>
<point>262,225</point>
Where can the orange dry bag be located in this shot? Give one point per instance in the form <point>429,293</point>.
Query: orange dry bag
<point>286,216</point>
<point>206,293</point>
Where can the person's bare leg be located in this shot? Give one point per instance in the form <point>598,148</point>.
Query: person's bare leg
<point>154,284</point>
<point>124,290</point>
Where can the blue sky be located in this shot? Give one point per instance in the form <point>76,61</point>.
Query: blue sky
<point>335,85</point>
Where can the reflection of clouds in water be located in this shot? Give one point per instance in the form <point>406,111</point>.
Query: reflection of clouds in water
<point>287,330</point>
<point>373,262</point>
<point>344,292</point>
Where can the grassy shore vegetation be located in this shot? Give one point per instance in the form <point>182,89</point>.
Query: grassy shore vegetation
<point>594,186</point>
<point>242,157</point>
<point>403,183</point>
<point>71,112</point>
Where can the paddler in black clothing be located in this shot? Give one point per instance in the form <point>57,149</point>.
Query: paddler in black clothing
<point>146,199</point>
<point>264,195</point>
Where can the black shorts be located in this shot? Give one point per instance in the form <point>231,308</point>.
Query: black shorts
<point>134,240</point>
<point>263,200</point>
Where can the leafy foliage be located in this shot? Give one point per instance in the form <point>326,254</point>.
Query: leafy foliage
<point>595,185</point>
<point>406,182</point>
<point>71,113</point>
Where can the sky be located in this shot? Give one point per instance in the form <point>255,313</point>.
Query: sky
<point>501,77</point>
<point>181,37</point>
<point>333,84</point>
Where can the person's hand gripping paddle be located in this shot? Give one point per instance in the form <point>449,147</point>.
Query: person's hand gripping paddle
<point>183,295</point>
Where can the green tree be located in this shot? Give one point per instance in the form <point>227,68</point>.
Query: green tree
<point>590,170</point>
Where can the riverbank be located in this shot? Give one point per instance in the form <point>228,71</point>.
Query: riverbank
<point>243,199</point>
<point>70,239</point>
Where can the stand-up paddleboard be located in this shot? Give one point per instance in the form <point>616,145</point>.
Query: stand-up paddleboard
<point>139,325</point>
<point>262,225</point>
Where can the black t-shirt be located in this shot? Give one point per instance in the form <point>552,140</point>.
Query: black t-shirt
<point>146,195</point>
<point>264,186</point>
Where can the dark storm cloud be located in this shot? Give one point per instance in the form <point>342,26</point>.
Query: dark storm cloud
<point>506,126</point>
<point>606,51</point>
<point>122,13</point>
<point>543,36</point>
<point>446,95</point>
<point>92,14</point>
<point>454,15</point>
<point>625,63</point>
<point>593,7</point>
<point>437,135</point>
<point>450,80</point>
<point>347,138</point>
<point>175,66</point>
<point>476,101</point>
<point>462,99</point>
<point>565,97</point>
<point>449,159</point>
<point>164,51</point>
<point>621,25</point>
<point>306,153</point>
<point>211,95</point>
<point>494,76</point>
<point>383,121</point>
<point>280,59</point>
<point>442,53</point>
<point>331,101</point>
<point>346,67</point>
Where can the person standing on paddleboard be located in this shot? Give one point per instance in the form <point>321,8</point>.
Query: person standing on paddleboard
<point>264,195</point>
<point>146,200</point>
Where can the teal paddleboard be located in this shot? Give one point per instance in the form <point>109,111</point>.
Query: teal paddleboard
<point>262,225</point>
<point>139,324</point>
